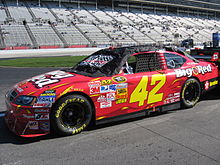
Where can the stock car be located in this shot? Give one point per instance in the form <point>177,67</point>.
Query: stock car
<point>109,85</point>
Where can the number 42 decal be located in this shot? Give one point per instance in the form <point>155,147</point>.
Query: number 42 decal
<point>140,93</point>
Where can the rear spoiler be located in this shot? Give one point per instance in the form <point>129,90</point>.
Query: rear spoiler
<point>211,58</point>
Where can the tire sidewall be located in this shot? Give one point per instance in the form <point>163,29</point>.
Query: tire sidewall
<point>185,103</point>
<point>56,115</point>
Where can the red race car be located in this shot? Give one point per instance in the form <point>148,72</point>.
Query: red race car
<point>111,84</point>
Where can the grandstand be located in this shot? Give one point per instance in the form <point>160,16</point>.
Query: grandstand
<point>67,23</point>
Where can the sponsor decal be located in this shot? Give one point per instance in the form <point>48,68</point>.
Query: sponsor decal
<point>49,78</point>
<point>41,110</point>
<point>46,99</point>
<point>119,79</point>
<point>33,125</point>
<point>195,70</point>
<point>105,104</point>
<point>94,87</point>
<point>110,96</point>
<point>121,96</point>
<point>119,101</point>
<point>94,83</point>
<point>78,89</point>
<point>122,85</point>
<point>94,90</point>
<point>28,116</point>
<point>19,89</point>
<point>42,105</point>
<point>49,93</point>
<point>42,116</point>
<point>104,89</point>
<point>106,82</point>
<point>112,88</point>
<point>212,83</point>
<point>206,85</point>
<point>44,126</point>
<point>171,98</point>
<point>122,91</point>
<point>101,98</point>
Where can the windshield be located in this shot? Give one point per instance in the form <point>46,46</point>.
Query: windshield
<point>101,63</point>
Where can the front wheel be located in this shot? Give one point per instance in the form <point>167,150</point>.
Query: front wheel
<point>190,94</point>
<point>71,115</point>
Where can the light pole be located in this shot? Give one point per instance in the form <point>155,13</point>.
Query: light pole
<point>112,5</point>
<point>79,4</point>
<point>59,3</point>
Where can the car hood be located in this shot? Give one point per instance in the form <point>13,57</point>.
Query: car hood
<point>50,80</point>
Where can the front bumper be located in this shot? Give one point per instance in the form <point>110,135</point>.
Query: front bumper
<point>25,121</point>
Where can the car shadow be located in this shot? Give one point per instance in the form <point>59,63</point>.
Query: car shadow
<point>7,136</point>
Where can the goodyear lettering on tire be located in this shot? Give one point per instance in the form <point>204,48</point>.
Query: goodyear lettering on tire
<point>60,108</point>
<point>75,131</point>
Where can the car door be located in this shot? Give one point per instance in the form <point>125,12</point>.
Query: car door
<point>142,84</point>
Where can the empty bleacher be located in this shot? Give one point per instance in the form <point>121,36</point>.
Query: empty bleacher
<point>16,36</point>
<point>50,24</point>
<point>45,35</point>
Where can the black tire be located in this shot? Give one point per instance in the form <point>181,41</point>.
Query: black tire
<point>191,92</point>
<point>71,115</point>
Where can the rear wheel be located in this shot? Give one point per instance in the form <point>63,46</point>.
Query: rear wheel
<point>71,115</point>
<point>191,92</point>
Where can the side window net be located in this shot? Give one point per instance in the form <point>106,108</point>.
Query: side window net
<point>147,62</point>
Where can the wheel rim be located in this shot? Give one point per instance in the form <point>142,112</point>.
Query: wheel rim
<point>191,92</point>
<point>73,115</point>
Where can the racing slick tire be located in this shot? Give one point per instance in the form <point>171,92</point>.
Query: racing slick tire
<point>190,94</point>
<point>71,115</point>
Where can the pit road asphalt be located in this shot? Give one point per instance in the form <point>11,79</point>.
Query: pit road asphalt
<point>180,137</point>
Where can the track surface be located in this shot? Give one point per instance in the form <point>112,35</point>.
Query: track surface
<point>190,136</point>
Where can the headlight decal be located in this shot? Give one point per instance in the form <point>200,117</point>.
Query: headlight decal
<point>25,100</point>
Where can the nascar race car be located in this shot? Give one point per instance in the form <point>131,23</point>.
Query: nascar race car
<point>111,84</point>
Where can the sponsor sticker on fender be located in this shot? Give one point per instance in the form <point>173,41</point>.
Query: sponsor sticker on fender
<point>105,104</point>
<point>104,89</point>
<point>110,96</point>
<point>106,82</point>
<point>94,83</point>
<point>94,87</point>
<point>101,98</point>
<point>42,105</point>
<point>33,125</point>
<point>119,101</point>
<point>42,116</point>
<point>44,126</point>
<point>206,85</point>
<point>122,91</point>
<point>122,85</point>
<point>171,98</point>
<point>112,88</point>
<point>195,70</point>
<point>119,79</point>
